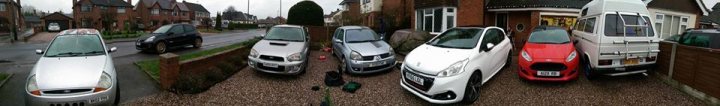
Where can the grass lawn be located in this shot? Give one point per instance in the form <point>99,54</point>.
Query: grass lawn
<point>152,67</point>
<point>121,36</point>
<point>211,30</point>
<point>3,76</point>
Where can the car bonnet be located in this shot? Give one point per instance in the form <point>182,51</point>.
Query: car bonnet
<point>431,60</point>
<point>278,48</point>
<point>69,72</point>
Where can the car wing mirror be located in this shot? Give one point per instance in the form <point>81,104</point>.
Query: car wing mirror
<point>261,35</point>
<point>489,46</point>
<point>38,51</point>
<point>113,49</point>
<point>338,41</point>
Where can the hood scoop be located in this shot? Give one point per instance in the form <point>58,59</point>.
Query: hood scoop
<point>376,44</point>
<point>278,44</point>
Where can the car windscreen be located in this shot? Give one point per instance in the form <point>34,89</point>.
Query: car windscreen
<point>75,45</point>
<point>163,29</point>
<point>549,37</point>
<point>614,26</point>
<point>457,38</point>
<point>285,34</point>
<point>361,35</point>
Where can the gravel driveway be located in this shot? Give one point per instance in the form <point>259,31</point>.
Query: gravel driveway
<point>248,87</point>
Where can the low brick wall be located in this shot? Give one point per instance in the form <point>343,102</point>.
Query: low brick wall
<point>695,67</point>
<point>198,74</point>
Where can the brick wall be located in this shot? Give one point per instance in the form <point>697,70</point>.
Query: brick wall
<point>470,12</point>
<point>196,75</point>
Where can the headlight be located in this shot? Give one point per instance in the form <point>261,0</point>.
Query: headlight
<point>150,39</point>
<point>294,57</point>
<point>571,56</point>
<point>104,83</point>
<point>253,53</point>
<point>32,86</point>
<point>355,56</point>
<point>526,56</point>
<point>391,51</point>
<point>454,69</point>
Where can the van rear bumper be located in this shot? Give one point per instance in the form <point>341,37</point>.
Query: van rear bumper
<point>625,70</point>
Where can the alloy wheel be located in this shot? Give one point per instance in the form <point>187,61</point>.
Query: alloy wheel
<point>198,43</point>
<point>472,89</point>
<point>342,65</point>
<point>160,47</point>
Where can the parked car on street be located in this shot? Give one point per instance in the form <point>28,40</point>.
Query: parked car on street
<point>165,37</point>
<point>452,66</point>
<point>284,50</point>
<point>548,55</point>
<point>75,69</point>
<point>626,43</point>
<point>53,27</point>
<point>706,38</point>
<point>361,51</point>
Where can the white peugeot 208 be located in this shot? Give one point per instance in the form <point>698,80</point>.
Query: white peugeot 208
<point>451,67</point>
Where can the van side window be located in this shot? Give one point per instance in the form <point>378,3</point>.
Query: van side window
<point>614,26</point>
<point>590,25</point>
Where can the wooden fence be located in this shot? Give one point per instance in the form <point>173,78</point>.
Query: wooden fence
<point>696,67</point>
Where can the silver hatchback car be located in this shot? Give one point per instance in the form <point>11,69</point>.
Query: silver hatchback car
<point>76,69</point>
<point>283,50</point>
<point>361,50</point>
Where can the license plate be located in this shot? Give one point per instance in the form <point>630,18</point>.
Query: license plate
<point>270,65</point>
<point>137,43</point>
<point>414,78</point>
<point>548,73</point>
<point>377,64</point>
<point>631,61</point>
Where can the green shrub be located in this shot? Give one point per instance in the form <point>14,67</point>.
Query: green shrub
<point>306,13</point>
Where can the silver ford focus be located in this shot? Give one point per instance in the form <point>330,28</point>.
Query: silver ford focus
<point>75,69</point>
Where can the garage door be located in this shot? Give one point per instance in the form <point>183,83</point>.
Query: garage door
<point>64,25</point>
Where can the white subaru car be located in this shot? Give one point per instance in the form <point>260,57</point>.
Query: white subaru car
<point>76,69</point>
<point>451,67</point>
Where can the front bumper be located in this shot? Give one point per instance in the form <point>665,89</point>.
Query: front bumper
<point>142,45</point>
<point>286,68</point>
<point>569,73</point>
<point>103,98</point>
<point>367,67</point>
<point>440,86</point>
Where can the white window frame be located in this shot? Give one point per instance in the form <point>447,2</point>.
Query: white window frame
<point>687,19</point>
<point>155,11</point>
<point>120,9</point>
<point>444,24</point>
<point>662,23</point>
<point>84,6</point>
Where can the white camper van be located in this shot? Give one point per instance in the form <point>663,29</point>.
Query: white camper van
<point>616,37</point>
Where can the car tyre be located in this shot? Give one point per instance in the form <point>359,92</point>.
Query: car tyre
<point>472,89</point>
<point>117,94</point>
<point>197,43</point>
<point>342,67</point>
<point>160,47</point>
<point>588,70</point>
<point>508,61</point>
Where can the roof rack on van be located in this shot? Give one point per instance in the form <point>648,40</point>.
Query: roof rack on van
<point>627,42</point>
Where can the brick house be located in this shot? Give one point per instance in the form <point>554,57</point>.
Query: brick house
<point>436,16</point>
<point>712,20</point>
<point>350,13</point>
<point>672,17</point>
<point>8,10</point>
<point>155,13</point>
<point>519,17</point>
<point>198,14</point>
<point>370,10</point>
<point>112,15</point>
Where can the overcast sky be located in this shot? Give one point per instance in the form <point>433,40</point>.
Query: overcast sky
<point>260,8</point>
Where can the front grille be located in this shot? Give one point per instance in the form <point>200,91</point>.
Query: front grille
<point>279,68</point>
<point>378,67</point>
<point>66,91</point>
<point>370,58</point>
<point>428,82</point>
<point>272,58</point>
<point>79,103</point>
<point>548,67</point>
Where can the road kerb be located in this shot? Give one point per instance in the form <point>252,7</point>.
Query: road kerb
<point>6,79</point>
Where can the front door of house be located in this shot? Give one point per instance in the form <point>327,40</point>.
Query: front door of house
<point>501,20</point>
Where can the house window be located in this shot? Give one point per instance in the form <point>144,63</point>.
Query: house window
<point>436,20</point>
<point>2,7</point>
<point>86,8</point>
<point>155,11</point>
<point>669,25</point>
<point>103,8</point>
<point>121,9</point>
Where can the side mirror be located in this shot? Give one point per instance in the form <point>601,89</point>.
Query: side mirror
<point>338,41</point>
<point>489,47</point>
<point>38,51</point>
<point>170,33</point>
<point>261,35</point>
<point>112,49</point>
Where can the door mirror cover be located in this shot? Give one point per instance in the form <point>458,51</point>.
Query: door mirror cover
<point>489,46</point>
<point>38,51</point>
<point>113,49</point>
<point>338,41</point>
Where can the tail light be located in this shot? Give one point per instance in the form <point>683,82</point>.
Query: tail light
<point>651,58</point>
<point>604,62</point>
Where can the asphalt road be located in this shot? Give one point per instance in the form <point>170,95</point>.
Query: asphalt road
<point>19,58</point>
